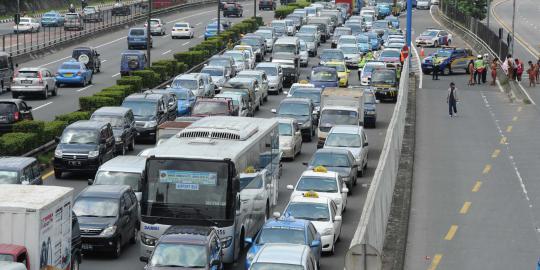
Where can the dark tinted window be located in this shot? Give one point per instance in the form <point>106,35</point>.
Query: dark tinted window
<point>4,63</point>
<point>136,32</point>
<point>7,108</point>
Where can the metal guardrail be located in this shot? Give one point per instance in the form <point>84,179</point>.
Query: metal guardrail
<point>365,251</point>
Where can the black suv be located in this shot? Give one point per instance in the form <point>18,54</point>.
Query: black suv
<point>76,242</point>
<point>150,110</point>
<point>232,8</point>
<point>267,4</point>
<point>20,170</point>
<point>88,56</point>
<point>182,241</point>
<point>13,111</point>
<point>83,147</point>
<point>302,110</point>
<point>123,124</point>
<point>171,101</point>
<point>108,216</point>
<point>119,9</point>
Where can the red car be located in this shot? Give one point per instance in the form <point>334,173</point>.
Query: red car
<point>16,252</point>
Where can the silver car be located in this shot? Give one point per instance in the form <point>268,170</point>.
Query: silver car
<point>304,54</point>
<point>351,53</point>
<point>269,36</point>
<point>218,74</point>
<point>261,78</point>
<point>39,81</point>
<point>352,138</point>
<point>157,27</point>
<point>311,42</point>
<point>274,72</point>
<point>195,83</point>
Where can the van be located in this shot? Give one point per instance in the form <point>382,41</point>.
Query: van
<point>286,52</point>
<point>74,21</point>
<point>246,85</point>
<point>123,124</point>
<point>122,170</point>
<point>6,71</point>
<point>20,170</point>
<point>149,111</point>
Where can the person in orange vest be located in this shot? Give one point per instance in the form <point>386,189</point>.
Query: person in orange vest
<point>404,54</point>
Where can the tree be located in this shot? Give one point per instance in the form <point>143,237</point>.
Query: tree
<point>474,8</point>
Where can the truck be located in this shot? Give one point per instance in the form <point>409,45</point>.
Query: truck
<point>37,226</point>
<point>354,5</point>
<point>339,106</point>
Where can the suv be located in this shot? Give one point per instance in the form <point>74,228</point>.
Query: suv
<point>123,124</point>
<point>73,21</point>
<point>352,138</point>
<point>34,80</point>
<point>108,217</point>
<point>149,110</point>
<point>88,56</point>
<point>20,170</point>
<point>132,60</point>
<point>274,73</point>
<point>157,27</point>
<point>300,109</point>
<point>171,101</point>
<point>267,4</point>
<point>12,111</point>
<point>213,106</point>
<point>137,38</point>
<point>119,9</point>
<point>181,241</point>
<point>83,147</point>
<point>92,14</point>
<point>6,71</point>
<point>232,9</point>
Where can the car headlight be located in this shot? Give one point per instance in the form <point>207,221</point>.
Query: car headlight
<point>148,240</point>
<point>93,154</point>
<point>226,242</point>
<point>118,138</point>
<point>58,153</point>
<point>328,231</point>
<point>150,124</point>
<point>250,256</point>
<point>109,231</point>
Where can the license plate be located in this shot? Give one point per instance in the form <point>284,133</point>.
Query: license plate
<point>87,246</point>
<point>74,163</point>
<point>3,118</point>
<point>26,81</point>
<point>68,75</point>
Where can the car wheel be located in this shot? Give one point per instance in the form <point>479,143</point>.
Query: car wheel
<point>58,174</point>
<point>117,248</point>
<point>55,91</point>
<point>131,146</point>
<point>45,94</point>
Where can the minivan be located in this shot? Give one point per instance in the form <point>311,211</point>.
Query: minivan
<point>20,170</point>
<point>13,111</point>
<point>137,38</point>
<point>123,124</point>
<point>149,111</point>
<point>122,170</point>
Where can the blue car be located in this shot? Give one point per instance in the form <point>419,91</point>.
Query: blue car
<point>186,100</point>
<point>132,60</point>
<point>323,77</point>
<point>211,30</point>
<point>285,230</point>
<point>452,59</point>
<point>52,18</point>
<point>73,72</point>
<point>364,43</point>
<point>394,20</point>
<point>137,38</point>
<point>374,41</point>
<point>383,10</point>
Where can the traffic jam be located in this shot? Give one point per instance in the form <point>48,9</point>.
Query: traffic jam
<point>202,191</point>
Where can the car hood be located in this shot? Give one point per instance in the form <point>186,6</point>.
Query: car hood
<point>323,84</point>
<point>144,117</point>
<point>77,148</point>
<point>273,79</point>
<point>95,222</point>
<point>355,151</point>
<point>285,139</point>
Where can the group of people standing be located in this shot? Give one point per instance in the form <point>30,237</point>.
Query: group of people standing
<point>478,69</point>
<point>514,68</point>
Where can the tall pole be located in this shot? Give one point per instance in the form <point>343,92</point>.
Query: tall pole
<point>148,35</point>
<point>218,16</point>
<point>19,14</point>
<point>254,8</point>
<point>513,23</point>
<point>409,23</point>
<point>488,11</point>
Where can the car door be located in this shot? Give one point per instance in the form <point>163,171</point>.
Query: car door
<point>36,174</point>
<point>312,235</point>
<point>124,219</point>
<point>334,211</point>
<point>50,79</point>
<point>131,199</point>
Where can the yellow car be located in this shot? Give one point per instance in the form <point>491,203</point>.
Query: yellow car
<point>342,71</point>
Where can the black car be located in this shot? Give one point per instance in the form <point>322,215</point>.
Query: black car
<point>83,147</point>
<point>267,4</point>
<point>171,101</point>
<point>13,111</point>
<point>300,109</point>
<point>108,217</point>
<point>232,9</point>
<point>76,242</point>
<point>20,170</point>
<point>119,9</point>
<point>123,124</point>
<point>150,111</point>
<point>336,160</point>
<point>370,109</point>
<point>88,56</point>
<point>189,247</point>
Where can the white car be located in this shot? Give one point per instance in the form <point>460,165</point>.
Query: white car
<point>251,58</point>
<point>239,58</point>
<point>157,27</point>
<point>290,138</point>
<point>304,55</point>
<point>295,86</point>
<point>434,37</point>
<point>352,138</point>
<point>365,72</point>
<point>27,24</point>
<point>326,184</point>
<point>261,188</point>
<point>422,4</point>
<point>322,212</point>
<point>182,30</point>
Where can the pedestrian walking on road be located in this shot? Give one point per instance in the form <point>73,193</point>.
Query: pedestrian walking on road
<point>436,63</point>
<point>494,66</point>
<point>532,74</point>
<point>471,72</point>
<point>509,67</point>
<point>519,70</point>
<point>537,69</point>
<point>452,100</point>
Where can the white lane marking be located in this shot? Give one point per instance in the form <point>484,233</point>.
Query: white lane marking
<point>201,36</point>
<point>41,106</point>
<point>194,15</point>
<point>198,23</point>
<point>421,75</point>
<point>166,52</point>
<point>526,93</point>
<point>111,42</point>
<point>84,88</point>
<point>103,61</point>
<point>55,61</point>
<point>186,43</point>
<point>115,75</point>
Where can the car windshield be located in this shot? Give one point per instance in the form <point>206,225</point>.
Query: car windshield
<point>238,57</point>
<point>70,66</point>
<point>79,136</point>
<point>27,74</point>
<point>349,50</point>
<point>179,255</point>
<point>9,177</point>
<point>141,108</point>
<point>347,40</point>
<point>310,30</point>
<point>340,32</point>
<point>356,28</point>
<point>275,266</point>
<point>308,211</point>
<point>49,15</point>
<point>368,68</point>
<point>285,48</point>
<point>154,22</point>
<point>378,24</point>
<point>285,129</point>
<point>323,75</point>
<point>343,140</point>
<point>265,34</point>
<point>313,95</point>
<point>213,71</point>
<point>294,108</point>
<point>250,41</point>
<point>115,121</point>
<point>95,207</point>
<point>367,19</point>
<point>282,235</point>
<point>118,178</point>
<point>383,76</point>
<point>136,32</point>
<point>250,182</point>
<point>317,184</point>
<point>339,117</point>
<point>6,258</point>
<point>332,55</point>
<point>307,38</point>
<point>429,33</point>
<point>363,39</point>
<point>181,25</point>
<point>270,71</point>
<point>330,160</point>
<point>219,62</point>
<point>210,108</point>
<point>311,10</point>
<point>186,83</point>
<point>390,53</point>
<point>181,95</point>
<point>444,53</point>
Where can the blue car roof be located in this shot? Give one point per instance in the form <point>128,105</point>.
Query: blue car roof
<point>133,52</point>
<point>291,223</point>
<point>323,68</point>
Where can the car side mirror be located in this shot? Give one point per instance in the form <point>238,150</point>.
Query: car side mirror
<point>248,240</point>
<point>276,214</point>
<point>273,110</point>
<point>286,92</point>
<point>366,144</point>
<point>345,190</point>
<point>90,181</point>
<point>337,218</point>
<point>315,243</point>
<point>290,187</point>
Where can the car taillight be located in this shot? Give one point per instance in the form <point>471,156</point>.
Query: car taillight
<point>40,78</point>
<point>16,116</point>
<point>79,73</point>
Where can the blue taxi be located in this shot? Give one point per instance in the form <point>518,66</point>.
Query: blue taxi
<point>322,77</point>
<point>73,72</point>
<point>452,59</point>
<point>286,230</point>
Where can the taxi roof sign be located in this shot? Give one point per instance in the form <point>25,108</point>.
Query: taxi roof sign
<point>320,169</point>
<point>311,194</point>
<point>250,169</point>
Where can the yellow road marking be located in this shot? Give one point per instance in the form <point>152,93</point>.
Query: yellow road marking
<point>451,233</point>
<point>514,119</point>
<point>519,109</point>
<point>509,128</point>
<point>435,262</point>
<point>477,186</point>
<point>495,153</point>
<point>465,208</point>
<point>487,169</point>
<point>47,175</point>
<point>503,140</point>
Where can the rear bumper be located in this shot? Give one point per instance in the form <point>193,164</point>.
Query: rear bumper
<point>72,80</point>
<point>22,89</point>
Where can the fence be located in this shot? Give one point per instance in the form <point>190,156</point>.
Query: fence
<point>477,27</point>
<point>365,251</point>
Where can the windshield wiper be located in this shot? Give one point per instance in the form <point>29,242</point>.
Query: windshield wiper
<point>88,216</point>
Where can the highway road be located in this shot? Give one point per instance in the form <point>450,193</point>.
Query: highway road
<point>475,192</point>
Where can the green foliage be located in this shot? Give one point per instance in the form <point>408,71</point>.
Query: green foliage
<point>30,126</point>
<point>181,68</point>
<point>184,57</point>
<point>282,11</point>
<point>92,103</point>
<point>169,64</point>
<point>161,71</point>
<point>474,8</point>
<point>18,143</point>
<point>72,117</point>
<point>135,82</point>
<point>54,128</point>
<point>117,96</point>
<point>150,78</point>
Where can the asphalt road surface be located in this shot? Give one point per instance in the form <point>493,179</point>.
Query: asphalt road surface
<point>475,194</point>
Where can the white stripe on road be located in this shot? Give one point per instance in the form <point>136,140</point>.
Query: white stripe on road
<point>198,24</point>
<point>526,93</point>
<point>115,75</point>
<point>186,43</point>
<point>201,36</point>
<point>55,61</point>
<point>166,52</point>
<point>103,61</point>
<point>41,106</point>
<point>82,89</point>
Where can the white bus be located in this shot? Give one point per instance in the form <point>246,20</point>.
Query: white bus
<point>193,178</point>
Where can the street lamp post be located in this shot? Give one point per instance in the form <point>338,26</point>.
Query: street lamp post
<point>254,8</point>
<point>148,35</point>
<point>488,12</point>
<point>18,14</point>
<point>513,23</point>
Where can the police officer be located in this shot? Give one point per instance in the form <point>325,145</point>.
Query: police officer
<point>478,69</point>
<point>436,64</point>
<point>485,61</point>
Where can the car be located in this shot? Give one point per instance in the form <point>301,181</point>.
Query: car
<point>259,188</point>
<point>383,10</point>
<point>322,76</point>
<point>218,74</point>
<point>186,246</point>
<point>137,38</point>
<point>374,40</point>
<point>241,62</point>
<point>351,53</point>
<point>257,43</point>
<point>27,25</point>
<point>288,231</point>
<point>223,61</point>
<point>233,9</point>
<point>322,212</point>
<point>274,72</point>
<point>37,80</point>
<point>313,93</point>
<point>212,30</point>
<point>347,39</point>
<point>89,57</point>
<point>300,109</point>
<point>262,81</point>
<point>342,72</point>
<point>280,27</point>
<point>311,42</point>
<point>385,83</point>
<point>364,44</point>
<point>120,9</point>
<point>52,18</point>
<point>365,73</point>
<point>195,83</point>
<point>123,125</point>
<point>246,85</point>
<point>108,217</point>
<point>341,161</point>
<point>73,72</point>
<point>83,147</point>
<point>149,111</point>
<point>251,55</point>
<point>171,101</point>
<point>269,35</point>
<point>204,107</point>
<point>451,58</point>
<point>73,21</point>
<point>267,4</point>
<point>13,111</point>
<point>423,4</point>
<point>186,99</point>
<point>338,32</point>
<point>122,170</point>
<point>331,55</point>
<point>132,60</point>
<point>291,27</point>
<point>297,19</point>
<point>356,27</point>
<point>20,170</point>
<point>157,27</point>
<point>370,109</point>
<point>182,30</point>
<point>303,54</point>
<point>352,138</point>
<point>434,37</point>
<point>392,56</point>
<point>290,137</point>
<point>284,256</point>
<point>92,14</point>
<point>326,183</point>
<point>298,85</point>
<point>313,30</point>
<point>240,103</point>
